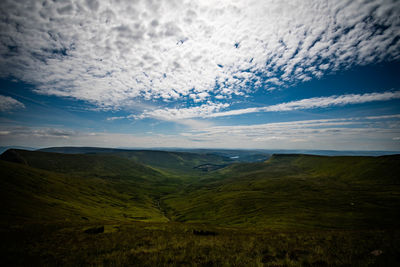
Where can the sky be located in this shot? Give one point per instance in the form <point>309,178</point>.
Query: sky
<point>265,74</point>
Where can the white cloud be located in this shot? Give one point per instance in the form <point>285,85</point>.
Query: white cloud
<point>47,137</point>
<point>341,100</point>
<point>182,116</point>
<point>39,132</point>
<point>359,133</point>
<point>173,114</point>
<point>211,110</point>
<point>316,102</point>
<point>110,52</point>
<point>116,118</point>
<point>8,104</point>
<point>396,116</point>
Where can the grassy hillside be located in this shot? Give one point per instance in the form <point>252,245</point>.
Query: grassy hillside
<point>296,192</point>
<point>103,165</point>
<point>181,162</point>
<point>34,195</point>
<point>285,192</point>
<point>292,210</point>
<point>52,186</point>
<point>176,162</point>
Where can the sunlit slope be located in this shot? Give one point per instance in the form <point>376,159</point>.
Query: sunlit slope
<point>80,194</point>
<point>297,191</point>
<point>30,194</point>
<point>177,162</point>
<point>103,165</point>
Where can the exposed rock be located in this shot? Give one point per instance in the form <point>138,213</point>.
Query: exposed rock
<point>95,230</point>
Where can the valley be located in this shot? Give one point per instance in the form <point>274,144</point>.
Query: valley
<point>198,208</point>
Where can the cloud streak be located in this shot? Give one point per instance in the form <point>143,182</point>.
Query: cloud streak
<point>337,134</point>
<point>112,52</point>
<point>205,110</point>
<point>358,133</point>
<point>316,102</point>
<point>211,110</point>
<point>8,104</point>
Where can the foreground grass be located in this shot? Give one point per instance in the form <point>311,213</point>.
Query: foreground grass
<point>176,244</point>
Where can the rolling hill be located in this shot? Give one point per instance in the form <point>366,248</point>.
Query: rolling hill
<point>176,162</point>
<point>296,191</point>
<point>287,191</point>
<point>176,208</point>
<point>34,196</point>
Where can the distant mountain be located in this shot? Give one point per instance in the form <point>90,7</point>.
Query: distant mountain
<point>167,160</point>
<point>242,154</point>
<point>334,152</point>
<point>236,155</point>
<point>5,148</point>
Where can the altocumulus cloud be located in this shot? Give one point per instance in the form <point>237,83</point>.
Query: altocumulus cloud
<point>205,110</point>
<point>112,52</point>
<point>8,103</point>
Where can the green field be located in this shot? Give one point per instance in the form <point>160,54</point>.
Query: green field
<point>157,208</point>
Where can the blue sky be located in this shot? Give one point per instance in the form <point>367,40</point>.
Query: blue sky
<point>210,74</point>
